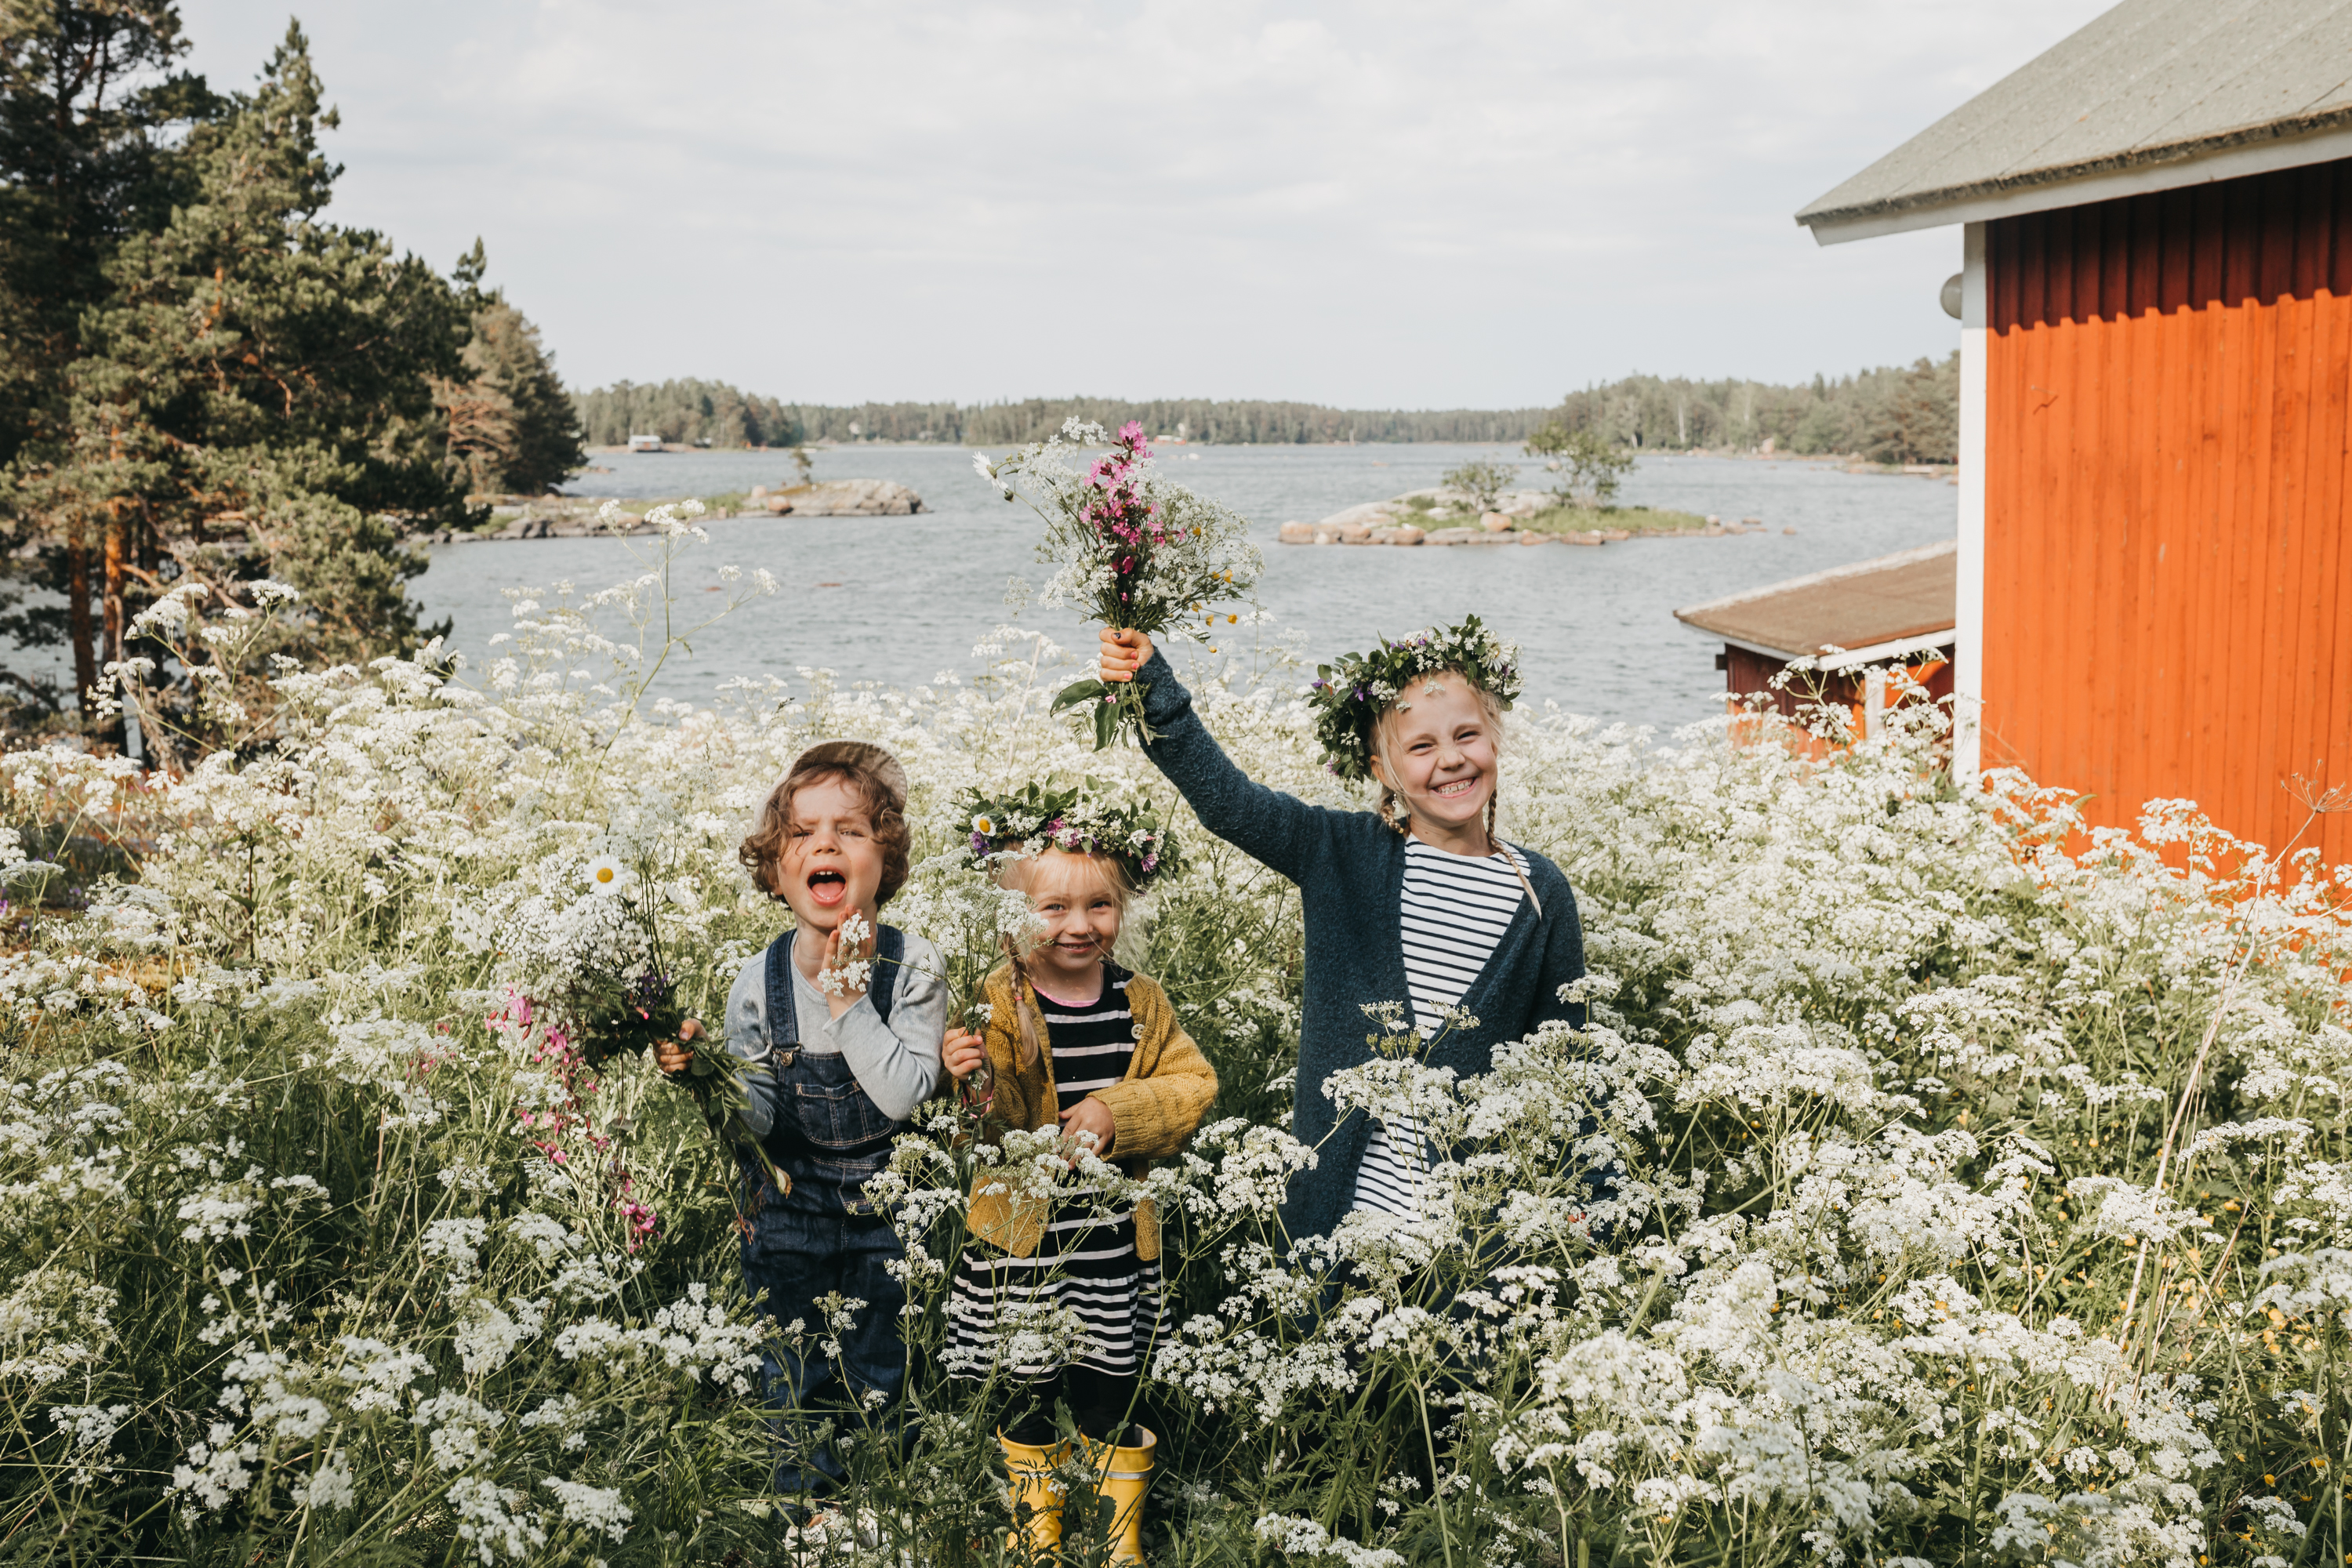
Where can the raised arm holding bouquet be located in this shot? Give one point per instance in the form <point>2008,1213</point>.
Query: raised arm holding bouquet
<point>1136,552</point>
<point>1417,902</point>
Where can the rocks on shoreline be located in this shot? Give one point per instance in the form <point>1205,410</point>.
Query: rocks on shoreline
<point>840,498</point>
<point>573,517</point>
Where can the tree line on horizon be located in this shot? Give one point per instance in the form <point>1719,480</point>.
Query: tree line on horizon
<point>698,413</point>
<point>1889,414</point>
<point>205,383</point>
<point>1893,414</point>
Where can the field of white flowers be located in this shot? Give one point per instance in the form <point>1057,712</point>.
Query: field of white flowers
<point>1984,1199</point>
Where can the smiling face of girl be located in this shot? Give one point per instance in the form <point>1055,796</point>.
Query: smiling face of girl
<point>1437,748</point>
<point>1083,907</point>
<point>831,865</point>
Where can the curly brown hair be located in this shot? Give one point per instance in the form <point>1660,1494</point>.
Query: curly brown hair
<point>877,777</point>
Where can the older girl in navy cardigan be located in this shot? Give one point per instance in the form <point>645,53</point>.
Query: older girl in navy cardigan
<point>1417,902</point>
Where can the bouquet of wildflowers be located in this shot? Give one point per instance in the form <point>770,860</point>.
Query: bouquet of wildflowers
<point>626,1006</point>
<point>1136,552</point>
<point>621,992</point>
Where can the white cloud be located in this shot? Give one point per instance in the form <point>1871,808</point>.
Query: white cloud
<point>1375,204</point>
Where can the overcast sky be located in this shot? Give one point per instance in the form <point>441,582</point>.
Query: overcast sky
<point>1370,205</point>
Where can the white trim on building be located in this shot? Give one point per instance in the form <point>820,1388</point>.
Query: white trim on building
<point>1969,589</point>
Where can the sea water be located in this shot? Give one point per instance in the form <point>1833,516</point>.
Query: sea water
<point>902,600</point>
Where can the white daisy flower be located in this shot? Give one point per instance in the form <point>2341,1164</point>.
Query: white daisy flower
<point>606,875</point>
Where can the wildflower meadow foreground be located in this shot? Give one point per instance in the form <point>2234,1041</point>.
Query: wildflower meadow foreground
<point>1984,1191</point>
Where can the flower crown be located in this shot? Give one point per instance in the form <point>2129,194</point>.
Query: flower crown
<point>1084,819</point>
<point>1349,696</point>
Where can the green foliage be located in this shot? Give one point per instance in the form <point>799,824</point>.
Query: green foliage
<point>260,380</point>
<point>1887,414</point>
<point>89,100</point>
<point>247,391</point>
<point>1906,415</point>
<point>1569,518</point>
<point>1590,468</point>
<point>89,106</point>
<point>1481,481</point>
<point>694,413</point>
<point>1238,420</point>
<point>513,429</point>
<point>698,411</point>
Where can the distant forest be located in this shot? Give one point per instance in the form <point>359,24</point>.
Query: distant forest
<point>1889,414</point>
<point>698,411</point>
<point>1908,414</point>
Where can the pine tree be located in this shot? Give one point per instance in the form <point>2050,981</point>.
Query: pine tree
<point>512,427</point>
<point>256,396</point>
<point>88,106</point>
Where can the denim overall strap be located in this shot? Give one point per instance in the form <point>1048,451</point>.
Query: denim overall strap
<point>828,1138</point>
<point>783,1016</point>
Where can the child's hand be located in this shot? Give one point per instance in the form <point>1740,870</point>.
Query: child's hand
<point>1090,1115</point>
<point>672,1056</point>
<point>962,1053</point>
<point>837,957</point>
<point>1123,654</point>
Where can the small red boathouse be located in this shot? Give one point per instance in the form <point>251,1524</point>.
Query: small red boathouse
<point>1850,625</point>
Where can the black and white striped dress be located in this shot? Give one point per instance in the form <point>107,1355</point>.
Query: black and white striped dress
<point>1452,914</point>
<point>1087,1261</point>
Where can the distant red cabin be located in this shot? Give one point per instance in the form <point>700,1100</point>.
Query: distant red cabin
<point>1852,623</point>
<point>2154,590</point>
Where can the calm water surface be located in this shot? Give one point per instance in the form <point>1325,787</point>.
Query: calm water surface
<point>1596,627</point>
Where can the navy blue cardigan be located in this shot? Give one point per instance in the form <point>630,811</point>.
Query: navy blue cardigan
<point>1349,867</point>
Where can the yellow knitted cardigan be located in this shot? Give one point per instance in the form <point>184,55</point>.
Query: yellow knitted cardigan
<point>1169,1087</point>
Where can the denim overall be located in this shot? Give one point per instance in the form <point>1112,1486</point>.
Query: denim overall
<point>822,1235</point>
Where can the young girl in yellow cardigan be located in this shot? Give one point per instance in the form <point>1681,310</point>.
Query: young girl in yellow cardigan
<point>1078,1041</point>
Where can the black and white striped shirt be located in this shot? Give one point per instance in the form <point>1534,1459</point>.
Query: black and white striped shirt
<point>1450,917</point>
<point>1086,1263</point>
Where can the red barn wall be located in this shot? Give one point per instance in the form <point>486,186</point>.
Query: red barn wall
<point>2168,581</point>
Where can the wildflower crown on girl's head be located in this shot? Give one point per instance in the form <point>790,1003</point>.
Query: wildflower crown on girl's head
<point>1349,697</point>
<point>1085,818</point>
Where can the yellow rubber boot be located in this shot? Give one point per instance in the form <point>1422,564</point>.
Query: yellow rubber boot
<point>1034,1495</point>
<point>1126,1475</point>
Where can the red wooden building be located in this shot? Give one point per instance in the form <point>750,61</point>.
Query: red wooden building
<point>2154,592</point>
<point>1851,624</point>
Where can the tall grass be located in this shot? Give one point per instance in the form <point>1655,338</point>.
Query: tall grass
<point>1983,1190</point>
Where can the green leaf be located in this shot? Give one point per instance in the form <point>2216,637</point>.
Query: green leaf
<point>1078,691</point>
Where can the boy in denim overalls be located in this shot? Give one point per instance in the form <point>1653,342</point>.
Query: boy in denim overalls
<point>849,1054</point>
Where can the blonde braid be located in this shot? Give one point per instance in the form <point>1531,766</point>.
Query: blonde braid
<point>1495,845</point>
<point>1024,1010</point>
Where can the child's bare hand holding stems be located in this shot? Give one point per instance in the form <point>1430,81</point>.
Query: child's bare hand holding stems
<point>1090,1115</point>
<point>1123,654</point>
<point>672,1056</point>
<point>962,1054</point>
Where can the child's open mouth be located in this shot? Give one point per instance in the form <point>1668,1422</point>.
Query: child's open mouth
<point>1457,787</point>
<point>828,888</point>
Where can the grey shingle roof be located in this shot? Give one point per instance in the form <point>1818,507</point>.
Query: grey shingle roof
<point>2150,83</point>
<point>1910,594</point>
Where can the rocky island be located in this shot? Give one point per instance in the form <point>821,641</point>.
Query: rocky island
<point>1440,516</point>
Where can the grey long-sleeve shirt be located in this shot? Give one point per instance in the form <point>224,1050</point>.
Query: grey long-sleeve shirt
<point>896,1063</point>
